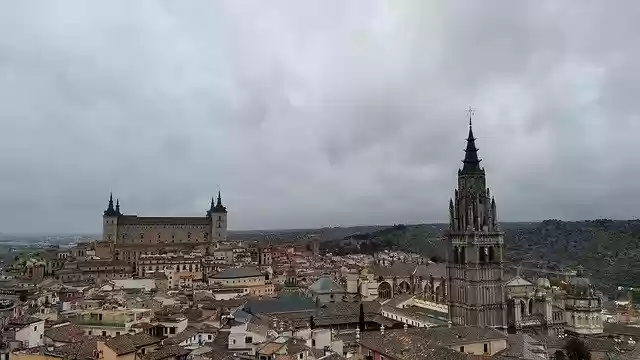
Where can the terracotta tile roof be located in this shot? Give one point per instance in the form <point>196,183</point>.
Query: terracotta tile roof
<point>127,343</point>
<point>65,333</point>
<point>179,338</point>
<point>81,350</point>
<point>24,320</point>
<point>421,343</point>
<point>165,352</point>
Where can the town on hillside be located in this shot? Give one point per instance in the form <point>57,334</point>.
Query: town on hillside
<point>177,288</point>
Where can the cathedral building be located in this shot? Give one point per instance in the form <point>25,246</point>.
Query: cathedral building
<point>479,291</point>
<point>475,255</point>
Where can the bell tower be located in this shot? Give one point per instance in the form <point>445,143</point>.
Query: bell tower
<point>475,248</point>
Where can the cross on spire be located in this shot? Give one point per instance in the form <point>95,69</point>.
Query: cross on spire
<point>470,112</point>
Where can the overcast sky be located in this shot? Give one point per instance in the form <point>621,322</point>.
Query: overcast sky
<point>315,113</point>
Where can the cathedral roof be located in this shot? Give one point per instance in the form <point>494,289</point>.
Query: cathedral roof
<point>325,285</point>
<point>400,269</point>
<point>518,281</point>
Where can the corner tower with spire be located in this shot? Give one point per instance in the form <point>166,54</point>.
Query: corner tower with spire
<point>110,220</point>
<point>475,248</point>
<point>218,215</point>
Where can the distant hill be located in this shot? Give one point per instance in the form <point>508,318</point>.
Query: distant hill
<point>326,233</point>
<point>609,250</point>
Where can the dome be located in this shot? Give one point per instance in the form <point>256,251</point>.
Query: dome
<point>580,285</point>
<point>543,283</point>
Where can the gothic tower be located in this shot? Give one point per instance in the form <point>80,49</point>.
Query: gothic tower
<point>475,249</point>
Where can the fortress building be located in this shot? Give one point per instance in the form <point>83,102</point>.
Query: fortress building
<point>130,236</point>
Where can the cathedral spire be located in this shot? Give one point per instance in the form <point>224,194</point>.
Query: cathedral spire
<point>471,161</point>
<point>118,206</point>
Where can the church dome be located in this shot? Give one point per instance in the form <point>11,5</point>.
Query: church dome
<point>580,285</point>
<point>543,283</point>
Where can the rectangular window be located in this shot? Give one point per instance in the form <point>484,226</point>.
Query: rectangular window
<point>248,339</point>
<point>461,348</point>
<point>486,348</point>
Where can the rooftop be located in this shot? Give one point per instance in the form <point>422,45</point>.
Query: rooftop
<point>233,273</point>
<point>125,344</point>
<point>326,285</point>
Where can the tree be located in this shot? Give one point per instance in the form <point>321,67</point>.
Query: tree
<point>559,355</point>
<point>577,350</point>
<point>361,318</point>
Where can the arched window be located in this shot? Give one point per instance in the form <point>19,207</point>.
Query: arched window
<point>384,290</point>
<point>523,308</point>
<point>530,306</point>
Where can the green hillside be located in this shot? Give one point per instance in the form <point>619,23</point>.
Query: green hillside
<point>607,249</point>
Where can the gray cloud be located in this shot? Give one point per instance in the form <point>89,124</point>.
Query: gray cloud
<point>314,113</point>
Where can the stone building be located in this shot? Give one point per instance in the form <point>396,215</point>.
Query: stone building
<point>583,308</point>
<point>127,237</point>
<point>387,280</point>
<point>475,266</point>
<point>480,294</point>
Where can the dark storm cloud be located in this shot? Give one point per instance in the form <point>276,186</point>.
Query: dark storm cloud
<point>312,113</point>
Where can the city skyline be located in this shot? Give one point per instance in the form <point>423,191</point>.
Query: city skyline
<point>322,114</point>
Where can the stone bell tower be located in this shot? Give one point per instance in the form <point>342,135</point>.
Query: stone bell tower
<point>475,248</point>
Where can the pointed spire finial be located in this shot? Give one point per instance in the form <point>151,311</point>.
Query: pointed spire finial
<point>471,160</point>
<point>110,210</point>
<point>118,206</point>
<point>470,112</point>
<point>218,207</point>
